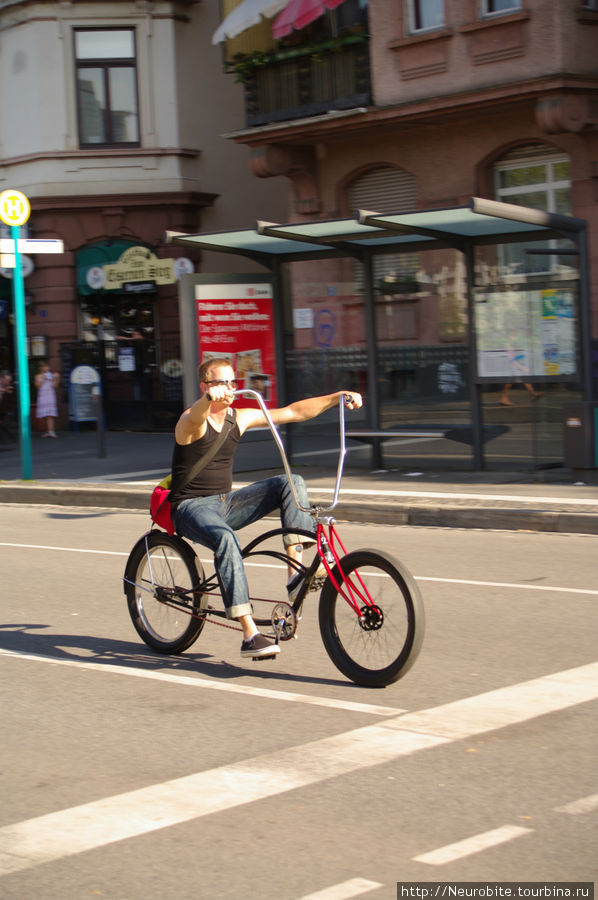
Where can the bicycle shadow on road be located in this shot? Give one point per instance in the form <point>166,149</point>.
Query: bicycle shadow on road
<point>24,638</point>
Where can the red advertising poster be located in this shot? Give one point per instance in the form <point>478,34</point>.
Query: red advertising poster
<point>234,321</point>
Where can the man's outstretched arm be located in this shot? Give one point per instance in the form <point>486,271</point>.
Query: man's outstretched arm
<point>300,411</point>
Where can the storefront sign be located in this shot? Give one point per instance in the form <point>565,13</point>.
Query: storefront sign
<point>234,321</point>
<point>137,270</point>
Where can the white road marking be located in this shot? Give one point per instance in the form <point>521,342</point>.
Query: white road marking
<point>469,846</point>
<point>88,826</point>
<point>344,891</point>
<point>515,586</point>
<point>578,807</point>
<point>475,844</point>
<point>208,684</point>
<point>507,584</point>
<point>64,549</point>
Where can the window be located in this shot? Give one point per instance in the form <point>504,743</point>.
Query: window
<point>106,87</point>
<point>537,178</point>
<point>425,15</point>
<point>499,6</point>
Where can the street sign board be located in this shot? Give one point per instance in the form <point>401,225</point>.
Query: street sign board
<point>30,245</point>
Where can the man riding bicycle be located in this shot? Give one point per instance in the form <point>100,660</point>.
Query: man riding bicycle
<point>206,509</point>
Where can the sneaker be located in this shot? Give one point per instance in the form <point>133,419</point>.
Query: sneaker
<point>259,646</point>
<point>294,585</point>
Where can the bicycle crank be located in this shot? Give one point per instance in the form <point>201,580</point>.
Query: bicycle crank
<point>284,621</point>
<point>371,618</point>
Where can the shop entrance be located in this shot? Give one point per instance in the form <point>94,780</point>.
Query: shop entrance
<point>141,372</point>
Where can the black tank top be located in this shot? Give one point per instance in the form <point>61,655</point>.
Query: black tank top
<point>216,477</point>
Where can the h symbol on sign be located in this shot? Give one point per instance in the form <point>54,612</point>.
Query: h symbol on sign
<point>13,208</point>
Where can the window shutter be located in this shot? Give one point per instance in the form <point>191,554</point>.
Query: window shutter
<point>385,190</point>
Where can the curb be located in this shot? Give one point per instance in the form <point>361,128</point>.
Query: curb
<point>441,515</point>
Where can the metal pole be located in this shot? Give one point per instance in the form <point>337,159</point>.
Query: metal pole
<point>20,340</point>
<point>585,324</point>
<point>474,388</point>
<point>372,358</point>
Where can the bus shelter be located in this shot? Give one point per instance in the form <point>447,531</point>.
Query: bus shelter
<point>562,351</point>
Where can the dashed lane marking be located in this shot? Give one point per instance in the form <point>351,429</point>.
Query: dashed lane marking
<point>91,825</point>
<point>475,844</point>
<point>355,887</point>
<point>581,806</point>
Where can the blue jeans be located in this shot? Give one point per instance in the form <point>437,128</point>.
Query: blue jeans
<point>212,522</point>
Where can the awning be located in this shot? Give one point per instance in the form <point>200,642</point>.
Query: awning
<point>299,13</point>
<point>371,233</point>
<point>246,15</point>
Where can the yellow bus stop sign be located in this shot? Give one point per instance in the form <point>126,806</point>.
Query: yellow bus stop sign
<point>15,208</point>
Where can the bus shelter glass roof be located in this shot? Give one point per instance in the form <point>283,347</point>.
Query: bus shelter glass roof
<point>480,222</point>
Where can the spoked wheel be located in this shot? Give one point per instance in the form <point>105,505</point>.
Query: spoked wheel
<point>381,643</point>
<point>160,573</point>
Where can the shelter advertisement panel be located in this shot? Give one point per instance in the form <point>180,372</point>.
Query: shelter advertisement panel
<point>526,334</point>
<point>235,321</point>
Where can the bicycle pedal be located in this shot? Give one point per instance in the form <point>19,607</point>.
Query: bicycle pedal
<point>261,658</point>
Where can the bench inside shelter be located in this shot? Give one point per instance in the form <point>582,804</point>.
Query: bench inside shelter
<point>461,433</point>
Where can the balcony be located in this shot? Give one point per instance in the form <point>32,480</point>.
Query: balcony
<point>304,81</point>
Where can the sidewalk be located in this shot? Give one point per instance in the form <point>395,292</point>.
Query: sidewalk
<point>71,471</point>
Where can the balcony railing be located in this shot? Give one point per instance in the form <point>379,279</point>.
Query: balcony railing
<point>306,81</point>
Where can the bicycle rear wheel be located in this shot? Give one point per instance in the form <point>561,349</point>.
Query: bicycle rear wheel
<point>163,570</point>
<point>379,646</point>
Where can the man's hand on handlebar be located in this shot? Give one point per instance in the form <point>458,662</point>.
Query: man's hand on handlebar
<point>352,400</point>
<point>221,391</point>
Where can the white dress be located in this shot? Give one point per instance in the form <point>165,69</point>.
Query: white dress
<point>46,397</point>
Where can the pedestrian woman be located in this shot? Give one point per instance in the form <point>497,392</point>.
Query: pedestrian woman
<point>46,383</point>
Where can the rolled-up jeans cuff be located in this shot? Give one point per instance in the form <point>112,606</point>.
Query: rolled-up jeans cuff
<point>238,610</point>
<point>290,539</point>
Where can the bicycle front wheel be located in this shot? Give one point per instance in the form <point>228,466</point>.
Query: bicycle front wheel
<point>160,576</point>
<point>378,644</point>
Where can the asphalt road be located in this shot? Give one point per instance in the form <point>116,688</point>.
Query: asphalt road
<point>128,775</point>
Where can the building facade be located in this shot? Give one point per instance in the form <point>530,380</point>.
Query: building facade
<point>399,105</point>
<point>110,122</point>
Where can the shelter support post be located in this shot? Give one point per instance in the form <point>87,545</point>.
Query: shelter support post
<point>373,400</point>
<point>474,387</point>
<point>585,322</point>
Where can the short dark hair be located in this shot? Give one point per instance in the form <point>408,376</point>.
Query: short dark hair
<point>206,365</point>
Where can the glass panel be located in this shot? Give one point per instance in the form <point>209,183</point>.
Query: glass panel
<point>105,44</point>
<point>562,171</point>
<point>502,5</point>
<point>535,199</point>
<point>524,175</point>
<point>123,105</point>
<point>527,341</point>
<point>91,97</point>
<point>427,14</point>
<point>562,201</point>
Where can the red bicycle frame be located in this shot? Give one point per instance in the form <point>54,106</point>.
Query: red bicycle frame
<point>328,541</point>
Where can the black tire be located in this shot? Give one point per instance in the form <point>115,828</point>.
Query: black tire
<point>376,649</point>
<point>160,564</point>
